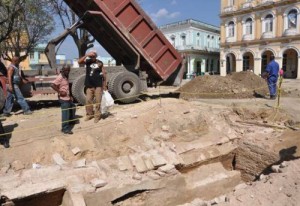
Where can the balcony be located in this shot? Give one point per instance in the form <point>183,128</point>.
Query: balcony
<point>230,39</point>
<point>229,9</point>
<point>266,2</point>
<point>290,32</point>
<point>199,48</point>
<point>247,37</point>
<point>248,5</point>
<point>267,35</point>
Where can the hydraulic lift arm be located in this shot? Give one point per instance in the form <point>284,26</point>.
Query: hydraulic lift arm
<point>50,48</point>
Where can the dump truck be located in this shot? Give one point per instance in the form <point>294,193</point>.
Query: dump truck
<point>144,56</point>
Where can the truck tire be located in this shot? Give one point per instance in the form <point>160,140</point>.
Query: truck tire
<point>2,98</point>
<point>124,86</point>
<point>78,89</point>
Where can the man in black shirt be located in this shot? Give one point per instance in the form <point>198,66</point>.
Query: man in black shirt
<point>95,83</point>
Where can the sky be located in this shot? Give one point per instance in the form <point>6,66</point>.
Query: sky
<point>162,12</point>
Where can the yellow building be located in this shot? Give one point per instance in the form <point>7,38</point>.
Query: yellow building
<point>253,30</point>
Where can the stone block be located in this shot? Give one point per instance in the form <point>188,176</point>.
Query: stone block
<point>124,163</point>
<point>98,183</point>
<point>148,162</point>
<point>76,150</point>
<point>158,160</point>
<point>165,128</point>
<point>79,163</point>
<point>167,168</point>
<point>58,159</point>
<point>171,157</point>
<point>73,199</point>
<point>138,163</point>
<point>276,169</point>
<point>153,175</point>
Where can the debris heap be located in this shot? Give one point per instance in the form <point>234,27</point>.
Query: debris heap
<point>238,85</point>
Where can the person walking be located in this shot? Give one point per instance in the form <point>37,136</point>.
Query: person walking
<point>14,79</point>
<point>271,75</point>
<point>68,109</point>
<point>95,82</point>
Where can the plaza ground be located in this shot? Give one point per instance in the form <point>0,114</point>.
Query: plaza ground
<point>161,150</point>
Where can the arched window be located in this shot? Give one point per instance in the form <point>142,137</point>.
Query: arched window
<point>173,38</point>
<point>183,38</point>
<point>198,39</point>
<point>292,19</point>
<point>249,26</point>
<point>231,29</point>
<point>269,23</point>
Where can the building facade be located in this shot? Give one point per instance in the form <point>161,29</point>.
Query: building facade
<point>198,42</point>
<point>253,30</point>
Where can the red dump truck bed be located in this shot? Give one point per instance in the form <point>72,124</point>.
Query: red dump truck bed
<point>130,36</point>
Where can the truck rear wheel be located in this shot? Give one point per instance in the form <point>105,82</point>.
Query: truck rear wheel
<point>124,86</point>
<point>78,89</point>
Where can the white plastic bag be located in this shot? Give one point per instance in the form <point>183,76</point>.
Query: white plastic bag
<point>106,102</point>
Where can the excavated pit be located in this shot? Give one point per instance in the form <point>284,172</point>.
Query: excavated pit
<point>218,148</point>
<point>219,176</point>
<point>49,198</point>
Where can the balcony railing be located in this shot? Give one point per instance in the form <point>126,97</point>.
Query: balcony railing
<point>247,37</point>
<point>266,2</point>
<point>230,39</point>
<point>290,32</point>
<point>248,5</point>
<point>229,9</point>
<point>200,48</point>
<point>267,35</point>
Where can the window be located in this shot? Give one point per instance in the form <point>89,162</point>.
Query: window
<point>211,65</point>
<point>292,19</point>
<point>208,41</point>
<point>230,2</point>
<point>173,40</point>
<point>207,63</point>
<point>183,37</point>
<point>269,23</point>
<point>231,29</point>
<point>183,40</point>
<point>246,63</point>
<point>249,26</point>
<point>198,39</point>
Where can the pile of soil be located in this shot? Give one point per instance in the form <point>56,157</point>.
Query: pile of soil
<point>238,85</point>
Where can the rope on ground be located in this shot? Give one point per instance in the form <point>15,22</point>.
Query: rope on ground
<point>160,103</point>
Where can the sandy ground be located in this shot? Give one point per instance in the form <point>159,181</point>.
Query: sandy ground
<point>35,138</point>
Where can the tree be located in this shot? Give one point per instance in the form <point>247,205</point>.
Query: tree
<point>32,25</point>
<point>82,39</point>
<point>9,11</point>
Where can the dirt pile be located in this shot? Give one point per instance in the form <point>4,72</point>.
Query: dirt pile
<point>238,85</point>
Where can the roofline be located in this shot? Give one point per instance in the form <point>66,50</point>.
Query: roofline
<point>189,21</point>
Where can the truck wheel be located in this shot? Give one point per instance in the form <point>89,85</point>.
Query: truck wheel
<point>124,86</point>
<point>2,98</point>
<point>78,89</point>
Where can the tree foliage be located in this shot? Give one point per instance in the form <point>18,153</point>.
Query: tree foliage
<point>32,24</point>
<point>9,11</point>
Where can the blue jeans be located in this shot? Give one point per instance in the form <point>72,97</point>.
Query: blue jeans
<point>16,94</point>
<point>272,85</point>
<point>67,114</point>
